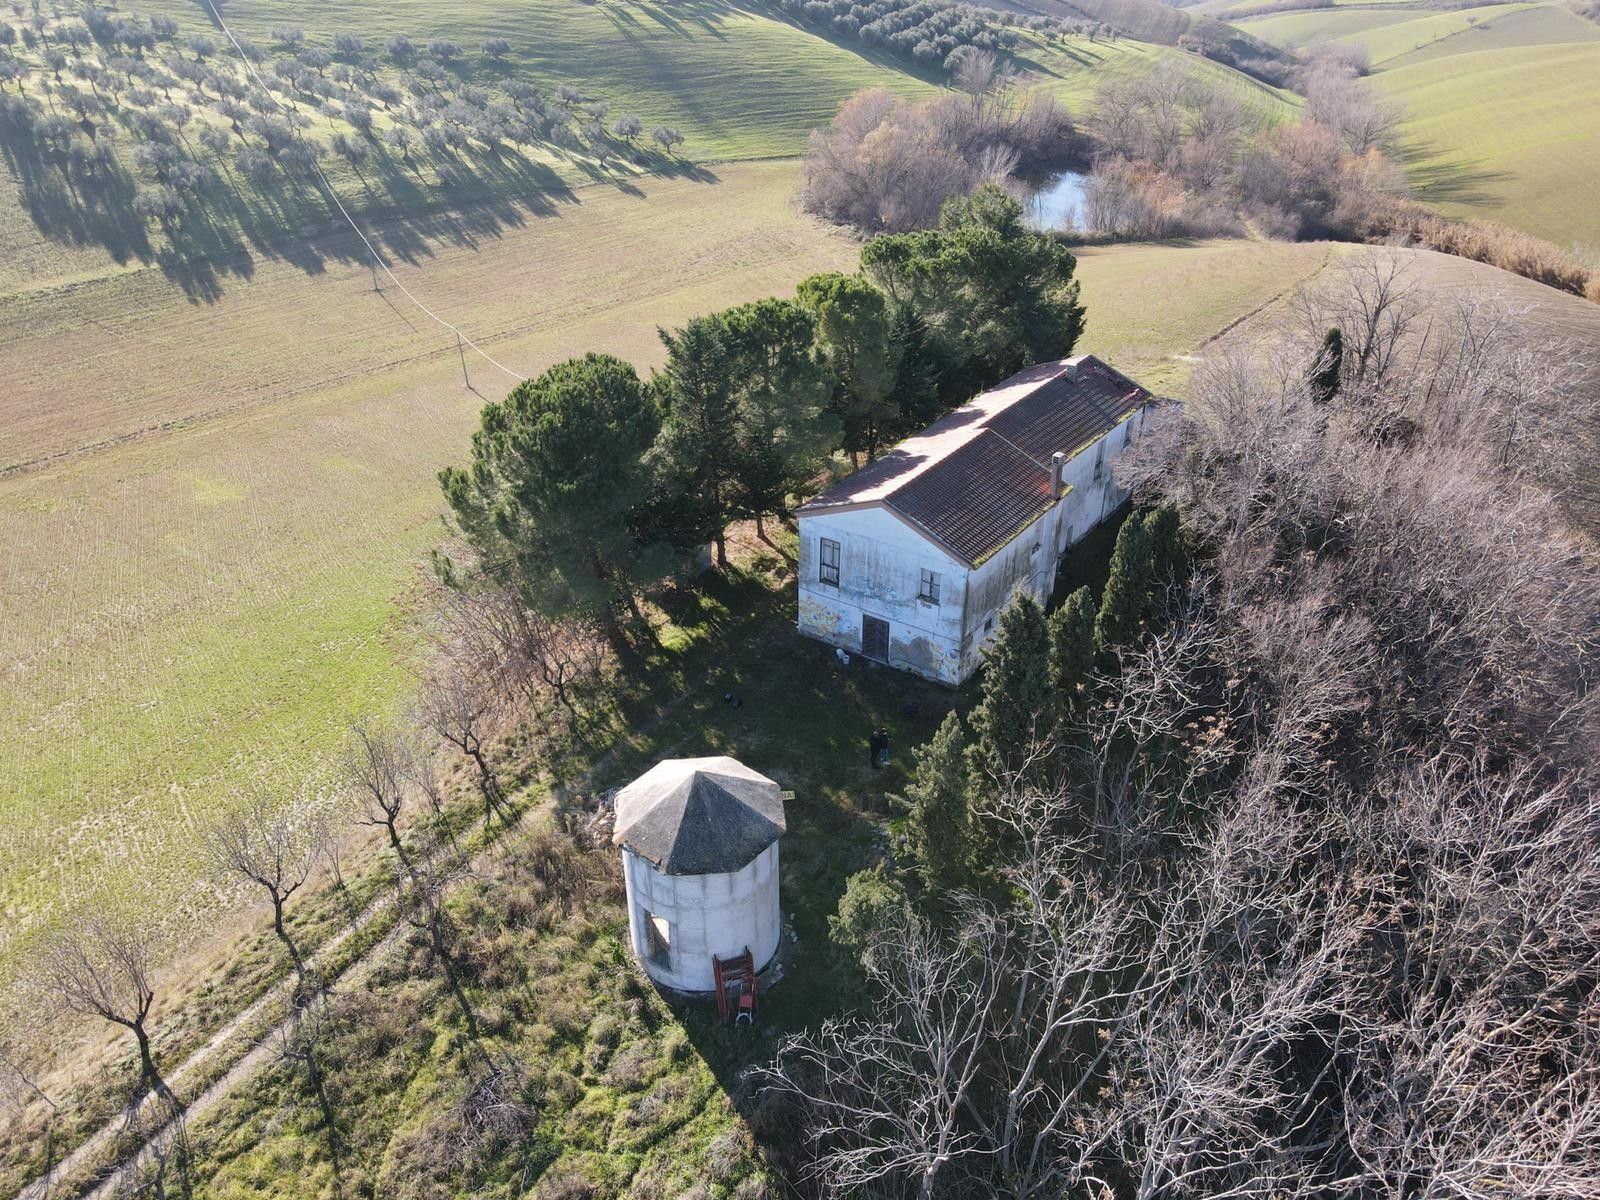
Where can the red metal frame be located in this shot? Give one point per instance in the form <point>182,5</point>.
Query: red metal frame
<point>741,970</point>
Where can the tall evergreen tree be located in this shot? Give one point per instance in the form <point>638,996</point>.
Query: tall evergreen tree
<point>998,295</point>
<point>853,340</point>
<point>1017,709</point>
<point>782,432</point>
<point>1124,603</point>
<point>556,477</point>
<point>1150,558</point>
<point>1328,366</point>
<point>695,451</point>
<point>939,822</point>
<point>919,358</point>
<point>1072,652</point>
<point>1169,557</point>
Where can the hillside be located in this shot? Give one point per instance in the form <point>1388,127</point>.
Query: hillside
<point>232,478</point>
<point>624,1088</point>
<point>1503,118</point>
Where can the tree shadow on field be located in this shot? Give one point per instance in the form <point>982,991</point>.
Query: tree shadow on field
<point>1456,181</point>
<point>675,16</point>
<point>74,208</point>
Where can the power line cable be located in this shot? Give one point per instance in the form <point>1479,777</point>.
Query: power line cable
<point>461,338</point>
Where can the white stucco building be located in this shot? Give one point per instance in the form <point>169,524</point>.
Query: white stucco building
<point>909,560</point>
<point>699,840</point>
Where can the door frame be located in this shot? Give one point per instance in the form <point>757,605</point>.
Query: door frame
<point>867,653</point>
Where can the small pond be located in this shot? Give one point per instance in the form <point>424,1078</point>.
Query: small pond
<point>1058,204</point>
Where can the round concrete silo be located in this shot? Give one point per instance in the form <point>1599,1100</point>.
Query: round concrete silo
<point>699,840</point>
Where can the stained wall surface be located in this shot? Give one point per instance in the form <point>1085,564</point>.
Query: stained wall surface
<point>882,559</point>
<point>699,916</point>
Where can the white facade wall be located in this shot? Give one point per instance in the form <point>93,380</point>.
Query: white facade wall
<point>705,915</point>
<point>880,573</point>
<point>881,559</point>
<point>1032,558</point>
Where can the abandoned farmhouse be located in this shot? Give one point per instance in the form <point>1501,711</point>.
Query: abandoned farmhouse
<point>909,560</point>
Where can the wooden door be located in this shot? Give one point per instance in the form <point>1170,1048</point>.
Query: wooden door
<point>875,638</point>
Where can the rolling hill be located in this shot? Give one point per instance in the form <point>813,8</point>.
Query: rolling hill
<point>217,449</point>
<point>1503,118</point>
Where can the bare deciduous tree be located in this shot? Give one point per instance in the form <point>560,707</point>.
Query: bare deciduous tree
<point>378,771</point>
<point>1313,909</point>
<point>101,967</point>
<point>464,715</point>
<point>275,846</point>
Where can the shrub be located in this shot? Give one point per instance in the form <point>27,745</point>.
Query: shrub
<point>888,165</point>
<point>568,1185</point>
<point>1380,218</point>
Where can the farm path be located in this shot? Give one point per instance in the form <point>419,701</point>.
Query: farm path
<point>264,1049</point>
<point>215,1046</point>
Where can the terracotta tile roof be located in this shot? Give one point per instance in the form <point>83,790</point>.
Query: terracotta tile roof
<point>980,496</point>
<point>977,477</point>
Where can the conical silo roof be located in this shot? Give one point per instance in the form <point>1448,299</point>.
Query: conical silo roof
<point>699,816</point>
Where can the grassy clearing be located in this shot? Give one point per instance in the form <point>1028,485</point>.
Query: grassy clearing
<point>1293,30</point>
<point>633,1091</point>
<point>1074,69</point>
<point>1150,306</point>
<point>226,587</point>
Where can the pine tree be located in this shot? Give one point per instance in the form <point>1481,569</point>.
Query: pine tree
<point>853,329</point>
<point>556,478</point>
<point>1018,707</point>
<point>782,434</point>
<point>939,823</point>
<point>919,356</point>
<point>1325,371</point>
<point>1126,598</point>
<point>1072,652</point>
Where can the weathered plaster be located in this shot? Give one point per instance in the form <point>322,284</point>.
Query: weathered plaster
<point>882,557</point>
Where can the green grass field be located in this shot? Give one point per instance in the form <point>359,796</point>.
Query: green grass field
<point>227,584</point>
<point>212,599</point>
<point>1074,69</point>
<point>739,79</point>
<point>1503,115</point>
<point>1397,36</point>
<point>1293,30</point>
<point>1513,135</point>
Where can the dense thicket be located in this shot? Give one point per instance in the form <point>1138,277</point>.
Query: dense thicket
<point>1175,158</point>
<point>885,164</point>
<point>1305,900</point>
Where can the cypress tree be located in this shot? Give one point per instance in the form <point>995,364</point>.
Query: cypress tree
<point>1128,587</point>
<point>1326,369</point>
<point>1017,707</point>
<point>1071,652</point>
<point>1169,558</point>
<point>697,433</point>
<point>939,824</point>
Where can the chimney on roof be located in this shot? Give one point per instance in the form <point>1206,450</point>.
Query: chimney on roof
<point>1058,462</point>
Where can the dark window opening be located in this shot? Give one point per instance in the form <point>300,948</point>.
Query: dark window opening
<point>658,939</point>
<point>828,562</point>
<point>929,588</point>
